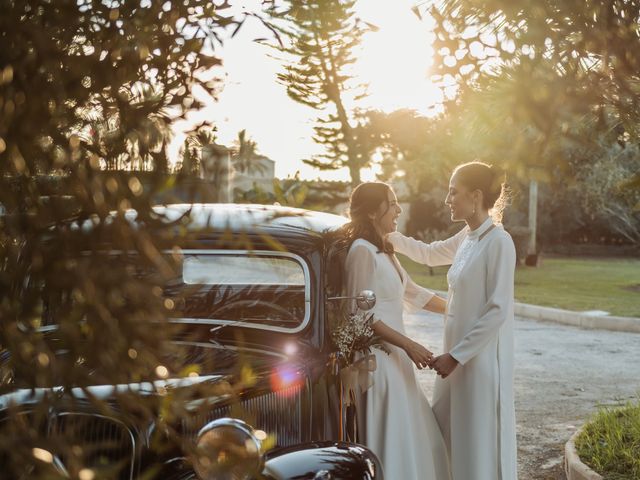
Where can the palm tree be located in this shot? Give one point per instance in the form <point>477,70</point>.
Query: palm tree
<point>204,157</point>
<point>246,158</point>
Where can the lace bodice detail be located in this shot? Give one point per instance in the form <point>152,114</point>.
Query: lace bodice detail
<point>462,255</point>
<point>464,252</point>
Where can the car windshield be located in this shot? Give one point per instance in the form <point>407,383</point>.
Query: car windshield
<point>259,289</point>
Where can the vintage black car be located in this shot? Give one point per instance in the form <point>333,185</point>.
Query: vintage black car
<point>270,302</point>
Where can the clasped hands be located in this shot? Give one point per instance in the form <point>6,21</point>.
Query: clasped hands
<point>443,364</point>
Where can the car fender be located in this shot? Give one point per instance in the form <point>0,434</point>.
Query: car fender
<point>322,461</point>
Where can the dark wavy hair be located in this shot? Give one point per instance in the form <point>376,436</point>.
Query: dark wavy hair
<point>491,181</point>
<point>365,200</point>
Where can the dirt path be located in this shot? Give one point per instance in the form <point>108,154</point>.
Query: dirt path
<point>562,374</point>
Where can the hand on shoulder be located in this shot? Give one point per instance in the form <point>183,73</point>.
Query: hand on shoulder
<point>394,238</point>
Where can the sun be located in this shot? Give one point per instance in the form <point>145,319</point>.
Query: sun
<point>396,59</point>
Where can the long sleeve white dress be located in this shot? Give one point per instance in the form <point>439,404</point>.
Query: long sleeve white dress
<point>474,405</point>
<point>400,426</point>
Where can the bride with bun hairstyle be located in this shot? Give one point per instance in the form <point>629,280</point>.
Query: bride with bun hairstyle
<point>473,396</point>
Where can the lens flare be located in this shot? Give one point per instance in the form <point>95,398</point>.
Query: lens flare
<point>285,377</point>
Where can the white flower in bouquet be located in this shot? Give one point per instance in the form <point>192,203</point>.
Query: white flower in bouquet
<point>354,334</point>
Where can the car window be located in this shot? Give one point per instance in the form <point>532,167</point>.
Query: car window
<point>241,269</point>
<point>258,289</point>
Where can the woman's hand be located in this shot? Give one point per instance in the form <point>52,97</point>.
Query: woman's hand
<point>445,364</point>
<point>418,354</point>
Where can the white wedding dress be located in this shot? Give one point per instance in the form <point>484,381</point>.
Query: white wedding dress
<point>400,426</point>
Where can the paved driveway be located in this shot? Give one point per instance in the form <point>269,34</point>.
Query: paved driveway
<point>562,374</point>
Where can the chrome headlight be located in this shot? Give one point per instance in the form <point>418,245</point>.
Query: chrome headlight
<point>227,449</point>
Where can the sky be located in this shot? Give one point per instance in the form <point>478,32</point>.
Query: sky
<point>395,61</point>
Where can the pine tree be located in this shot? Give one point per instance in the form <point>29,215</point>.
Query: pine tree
<point>323,36</point>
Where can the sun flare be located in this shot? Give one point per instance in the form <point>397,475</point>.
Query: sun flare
<point>396,59</point>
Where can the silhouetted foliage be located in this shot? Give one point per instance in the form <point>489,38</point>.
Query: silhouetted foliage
<point>88,86</point>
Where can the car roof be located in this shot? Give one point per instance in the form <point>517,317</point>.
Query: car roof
<point>246,217</point>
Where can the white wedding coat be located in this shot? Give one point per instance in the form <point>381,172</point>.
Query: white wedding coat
<point>400,426</point>
<point>474,405</point>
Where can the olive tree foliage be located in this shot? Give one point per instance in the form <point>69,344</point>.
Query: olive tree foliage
<point>593,47</point>
<point>87,87</point>
<point>553,66</point>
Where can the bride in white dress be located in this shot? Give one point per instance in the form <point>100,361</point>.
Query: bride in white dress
<point>400,426</point>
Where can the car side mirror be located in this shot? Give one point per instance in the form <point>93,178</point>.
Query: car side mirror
<point>366,300</point>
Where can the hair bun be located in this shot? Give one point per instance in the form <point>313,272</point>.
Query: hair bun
<point>499,178</point>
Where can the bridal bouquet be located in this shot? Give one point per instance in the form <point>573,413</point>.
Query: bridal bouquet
<point>354,334</point>
<point>354,338</point>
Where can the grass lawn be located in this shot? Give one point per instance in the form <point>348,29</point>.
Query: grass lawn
<point>578,284</point>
